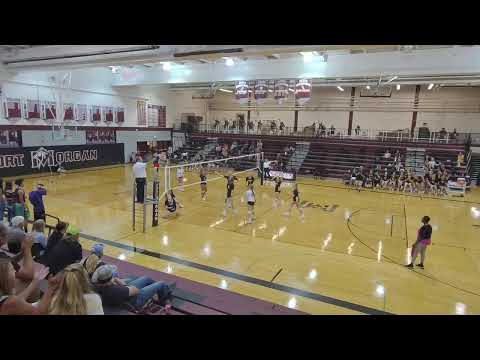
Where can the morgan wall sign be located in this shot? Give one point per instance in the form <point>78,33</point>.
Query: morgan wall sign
<point>30,160</point>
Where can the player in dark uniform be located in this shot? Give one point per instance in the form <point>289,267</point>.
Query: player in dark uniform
<point>278,183</point>
<point>229,199</point>
<point>171,203</point>
<point>249,179</point>
<point>203,182</point>
<point>296,202</point>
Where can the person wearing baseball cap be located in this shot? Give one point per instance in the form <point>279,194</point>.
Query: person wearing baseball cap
<point>67,251</point>
<point>36,199</point>
<point>136,292</point>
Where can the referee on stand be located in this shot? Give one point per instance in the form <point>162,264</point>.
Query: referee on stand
<point>140,173</point>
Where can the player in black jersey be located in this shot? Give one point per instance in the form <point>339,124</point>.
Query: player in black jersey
<point>249,179</point>
<point>296,202</point>
<point>171,203</point>
<point>203,182</point>
<point>229,198</point>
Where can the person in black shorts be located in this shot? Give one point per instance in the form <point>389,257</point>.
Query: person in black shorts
<point>295,202</point>
<point>250,197</point>
<point>249,179</point>
<point>171,203</point>
<point>229,198</point>
<point>203,182</point>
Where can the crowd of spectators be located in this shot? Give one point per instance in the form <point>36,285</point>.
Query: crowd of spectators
<point>46,273</point>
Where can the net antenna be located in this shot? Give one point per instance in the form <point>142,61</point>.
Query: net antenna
<point>61,95</point>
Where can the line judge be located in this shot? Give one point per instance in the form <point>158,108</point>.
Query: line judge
<point>140,173</point>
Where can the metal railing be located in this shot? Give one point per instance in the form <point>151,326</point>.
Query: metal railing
<point>401,135</point>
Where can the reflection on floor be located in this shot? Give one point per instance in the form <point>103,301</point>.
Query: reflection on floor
<point>345,257</point>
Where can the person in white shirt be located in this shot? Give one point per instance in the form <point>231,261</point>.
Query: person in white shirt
<point>180,174</point>
<point>266,168</point>
<point>250,197</point>
<point>140,173</point>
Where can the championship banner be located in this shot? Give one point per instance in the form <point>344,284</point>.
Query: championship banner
<point>280,91</point>
<point>96,113</point>
<point>261,90</point>
<point>141,112</point>
<point>82,113</point>
<point>67,111</point>
<point>50,110</point>
<point>241,91</point>
<point>13,109</point>
<point>33,110</point>
<point>120,115</point>
<point>108,111</point>
<point>303,91</point>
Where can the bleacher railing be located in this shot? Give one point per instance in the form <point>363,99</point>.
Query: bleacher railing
<point>401,135</point>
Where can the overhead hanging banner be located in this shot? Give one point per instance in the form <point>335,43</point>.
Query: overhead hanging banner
<point>261,90</point>
<point>280,91</point>
<point>303,91</point>
<point>241,91</point>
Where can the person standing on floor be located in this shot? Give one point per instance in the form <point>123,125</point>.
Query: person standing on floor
<point>36,199</point>
<point>140,173</point>
<point>424,238</point>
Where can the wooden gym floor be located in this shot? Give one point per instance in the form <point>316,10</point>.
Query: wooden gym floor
<point>350,244</point>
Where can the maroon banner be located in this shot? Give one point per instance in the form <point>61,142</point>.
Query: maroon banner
<point>242,91</point>
<point>280,91</point>
<point>261,90</point>
<point>120,115</point>
<point>96,113</point>
<point>13,109</point>
<point>68,112</point>
<point>303,91</point>
<point>33,110</point>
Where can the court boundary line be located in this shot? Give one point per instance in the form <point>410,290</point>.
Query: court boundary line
<point>391,193</point>
<point>245,278</point>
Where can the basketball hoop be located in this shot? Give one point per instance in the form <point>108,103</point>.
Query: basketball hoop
<point>61,93</point>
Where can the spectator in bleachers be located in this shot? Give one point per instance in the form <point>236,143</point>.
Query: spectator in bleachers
<point>36,199</point>
<point>13,302</point>
<point>225,125</point>
<point>20,206</point>
<point>282,127</point>
<point>16,235</point>
<point>443,133</point>
<point>453,135</point>
<point>57,234</point>
<point>332,130</point>
<point>3,204</point>
<point>24,273</point>
<point>67,251</point>
<point>259,126</point>
<point>39,238</point>
<point>460,159</point>
<point>10,198</point>
<point>135,291</point>
<point>74,295</point>
<point>357,130</point>
<point>387,154</point>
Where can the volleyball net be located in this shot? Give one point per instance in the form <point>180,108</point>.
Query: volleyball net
<point>186,175</point>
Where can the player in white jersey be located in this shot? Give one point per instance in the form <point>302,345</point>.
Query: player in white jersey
<point>180,174</point>
<point>250,197</point>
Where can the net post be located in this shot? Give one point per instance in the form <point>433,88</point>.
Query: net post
<point>133,201</point>
<point>156,200</point>
<point>260,169</point>
<point>145,207</point>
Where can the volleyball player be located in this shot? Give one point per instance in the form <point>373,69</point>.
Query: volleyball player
<point>180,174</point>
<point>229,199</point>
<point>203,182</point>
<point>156,161</point>
<point>250,197</point>
<point>171,204</point>
<point>249,179</point>
<point>296,202</point>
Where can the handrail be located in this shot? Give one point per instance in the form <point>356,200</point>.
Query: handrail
<point>400,135</point>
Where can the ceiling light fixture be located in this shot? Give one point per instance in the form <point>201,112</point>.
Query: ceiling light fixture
<point>430,87</point>
<point>340,88</point>
<point>307,56</point>
<point>229,62</point>
<point>290,89</point>
<point>368,87</point>
<point>398,86</point>
<point>225,90</point>
<point>167,66</point>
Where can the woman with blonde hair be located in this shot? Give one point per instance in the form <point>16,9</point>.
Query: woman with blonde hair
<point>39,238</point>
<point>74,295</point>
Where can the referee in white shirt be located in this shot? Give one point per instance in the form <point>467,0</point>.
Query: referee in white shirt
<point>140,173</point>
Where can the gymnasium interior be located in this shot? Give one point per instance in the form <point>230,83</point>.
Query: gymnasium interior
<point>353,150</point>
